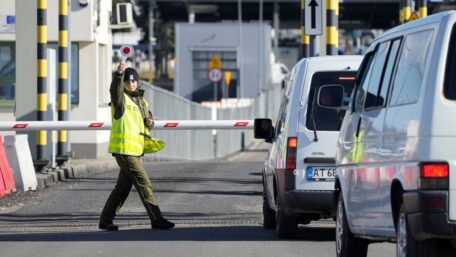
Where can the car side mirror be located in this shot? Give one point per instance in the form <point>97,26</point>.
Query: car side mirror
<point>263,129</point>
<point>332,97</point>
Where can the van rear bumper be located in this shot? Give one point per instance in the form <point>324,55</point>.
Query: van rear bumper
<point>304,201</point>
<point>427,218</point>
<point>296,202</point>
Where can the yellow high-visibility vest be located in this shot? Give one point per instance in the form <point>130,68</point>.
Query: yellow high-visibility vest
<point>357,150</point>
<point>126,131</point>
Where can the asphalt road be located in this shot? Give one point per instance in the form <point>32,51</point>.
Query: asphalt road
<point>216,207</point>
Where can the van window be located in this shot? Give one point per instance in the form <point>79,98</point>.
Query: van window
<point>449,88</point>
<point>409,76</point>
<point>327,119</point>
<point>283,110</point>
<point>377,70</point>
<point>388,72</point>
<point>362,81</point>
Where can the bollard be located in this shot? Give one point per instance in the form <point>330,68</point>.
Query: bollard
<point>19,156</point>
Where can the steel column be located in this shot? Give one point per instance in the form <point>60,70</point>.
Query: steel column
<point>332,27</point>
<point>41,139</point>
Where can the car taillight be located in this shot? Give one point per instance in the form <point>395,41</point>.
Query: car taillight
<point>292,143</point>
<point>434,176</point>
<point>434,170</point>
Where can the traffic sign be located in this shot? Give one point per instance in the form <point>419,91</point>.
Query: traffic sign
<point>215,63</point>
<point>126,51</point>
<point>313,17</point>
<point>414,16</point>
<point>215,75</point>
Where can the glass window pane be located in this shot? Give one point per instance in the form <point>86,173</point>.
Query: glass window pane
<point>74,73</point>
<point>7,74</point>
<point>362,82</point>
<point>203,88</point>
<point>377,69</point>
<point>388,72</point>
<point>327,119</point>
<point>103,94</point>
<point>449,87</point>
<point>409,76</point>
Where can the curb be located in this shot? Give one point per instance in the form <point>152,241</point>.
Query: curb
<point>73,170</point>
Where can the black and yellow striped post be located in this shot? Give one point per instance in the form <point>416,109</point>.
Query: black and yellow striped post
<point>421,7</point>
<point>41,139</point>
<point>332,27</point>
<point>305,40</point>
<point>63,75</point>
<point>406,10</point>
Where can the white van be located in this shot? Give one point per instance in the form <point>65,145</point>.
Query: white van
<point>396,164</point>
<point>298,175</point>
<point>279,72</point>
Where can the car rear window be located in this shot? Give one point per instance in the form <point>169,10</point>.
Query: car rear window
<point>328,119</point>
<point>449,88</point>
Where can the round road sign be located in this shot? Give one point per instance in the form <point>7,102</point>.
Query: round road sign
<point>215,75</point>
<point>126,51</point>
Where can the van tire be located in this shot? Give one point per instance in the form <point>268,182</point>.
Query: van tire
<point>347,245</point>
<point>286,226</point>
<point>406,245</point>
<point>269,215</point>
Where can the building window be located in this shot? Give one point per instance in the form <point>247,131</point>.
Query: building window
<point>206,90</point>
<point>73,73</point>
<point>103,94</point>
<point>7,73</point>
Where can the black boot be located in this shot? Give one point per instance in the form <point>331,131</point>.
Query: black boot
<point>158,222</point>
<point>162,224</point>
<point>108,226</point>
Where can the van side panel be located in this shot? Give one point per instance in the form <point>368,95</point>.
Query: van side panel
<point>402,135</point>
<point>440,135</point>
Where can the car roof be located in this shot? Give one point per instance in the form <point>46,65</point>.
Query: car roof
<point>434,18</point>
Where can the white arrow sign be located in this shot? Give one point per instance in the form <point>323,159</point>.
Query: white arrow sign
<point>313,17</point>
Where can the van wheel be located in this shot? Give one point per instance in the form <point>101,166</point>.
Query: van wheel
<point>347,245</point>
<point>286,226</point>
<point>269,215</point>
<point>406,245</point>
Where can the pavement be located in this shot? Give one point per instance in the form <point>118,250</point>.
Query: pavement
<point>82,168</point>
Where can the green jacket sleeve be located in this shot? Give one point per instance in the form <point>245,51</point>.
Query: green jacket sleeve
<point>117,95</point>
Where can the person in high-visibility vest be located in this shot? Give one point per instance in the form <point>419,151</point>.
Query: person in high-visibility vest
<point>131,122</point>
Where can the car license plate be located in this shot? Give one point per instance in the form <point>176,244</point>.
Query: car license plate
<point>321,173</point>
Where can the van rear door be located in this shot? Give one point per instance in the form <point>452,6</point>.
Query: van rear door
<point>315,164</point>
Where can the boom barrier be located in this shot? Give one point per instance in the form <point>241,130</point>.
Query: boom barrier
<point>106,125</point>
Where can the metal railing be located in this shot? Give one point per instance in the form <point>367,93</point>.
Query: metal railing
<point>204,144</point>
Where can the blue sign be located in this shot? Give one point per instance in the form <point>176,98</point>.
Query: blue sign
<point>10,19</point>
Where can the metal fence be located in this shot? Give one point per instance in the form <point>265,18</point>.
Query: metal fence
<point>205,144</point>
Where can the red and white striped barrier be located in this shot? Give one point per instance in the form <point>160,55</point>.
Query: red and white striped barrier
<point>106,125</point>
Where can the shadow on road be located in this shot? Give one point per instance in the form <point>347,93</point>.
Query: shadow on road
<point>316,234</point>
<point>217,233</point>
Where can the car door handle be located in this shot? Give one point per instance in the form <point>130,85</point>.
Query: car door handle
<point>358,127</point>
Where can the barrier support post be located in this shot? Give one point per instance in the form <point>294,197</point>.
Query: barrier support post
<point>41,139</point>
<point>64,43</point>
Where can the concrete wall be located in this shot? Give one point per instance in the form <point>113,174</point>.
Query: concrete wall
<point>256,46</point>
